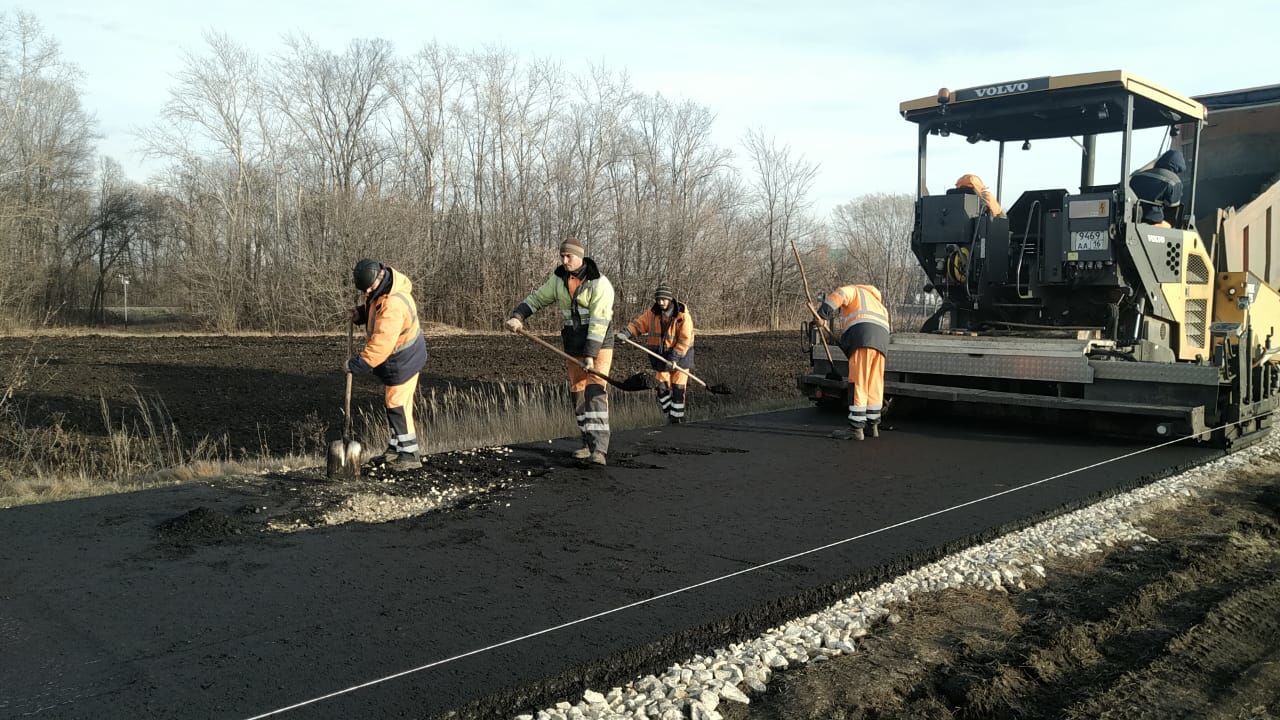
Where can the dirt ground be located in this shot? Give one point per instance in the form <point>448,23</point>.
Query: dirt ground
<point>283,394</point>
<point>1188,627</point>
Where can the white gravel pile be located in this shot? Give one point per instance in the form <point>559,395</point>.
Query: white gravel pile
<point>697,687</point>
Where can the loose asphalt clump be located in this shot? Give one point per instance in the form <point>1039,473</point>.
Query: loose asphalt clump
<point>201,525</point>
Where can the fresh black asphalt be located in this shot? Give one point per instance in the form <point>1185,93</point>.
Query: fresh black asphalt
<point>99,620</point>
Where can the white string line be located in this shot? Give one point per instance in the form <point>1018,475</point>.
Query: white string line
<point>744,571</point>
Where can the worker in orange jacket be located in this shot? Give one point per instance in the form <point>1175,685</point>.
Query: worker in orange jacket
<point>667,328</point>
<point>973,183</point>
<point>395,352</point>
<point>857,316</point>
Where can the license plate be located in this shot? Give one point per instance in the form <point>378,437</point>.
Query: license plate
<point>1089,240</point>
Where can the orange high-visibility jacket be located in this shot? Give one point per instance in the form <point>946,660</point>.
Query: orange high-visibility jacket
<point>670,337</point>
<point>858,317</point>
<point>395,349</point>
<point>973,182</point>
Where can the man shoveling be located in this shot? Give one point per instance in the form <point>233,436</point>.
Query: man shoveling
<point>395,352</point>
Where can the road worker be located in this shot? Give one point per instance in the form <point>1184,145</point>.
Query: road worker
<point>856,315</point>
<point>972,182</point>
<point>667,329</point>
<point>395,352</point>
<point>1160,187</point>
<point>585,298</point>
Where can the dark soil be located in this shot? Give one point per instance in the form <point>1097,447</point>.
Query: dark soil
<point>260,395</point>
<point>1189,627</point>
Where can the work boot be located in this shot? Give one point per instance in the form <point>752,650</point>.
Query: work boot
<point>582,453</point>
<point>390,454</point>
<point>673,420</point>
<point>405,461</point>
<point>856,434</point>
<point>873,430</point>
<point>598,458</point>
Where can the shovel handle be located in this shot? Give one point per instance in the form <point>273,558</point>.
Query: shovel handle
<point>346,398</point>
<point>692,377</point>
<point>565,355</point>
<point>808,302</point>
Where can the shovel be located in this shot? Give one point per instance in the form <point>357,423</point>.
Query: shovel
<point>822,329</point>
<point>344,454</point>
<point>635,383</point>
<point>717,389</point>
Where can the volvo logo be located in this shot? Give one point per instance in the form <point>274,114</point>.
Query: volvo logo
<point>1005,89</point>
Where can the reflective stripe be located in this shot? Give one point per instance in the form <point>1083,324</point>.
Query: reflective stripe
<point>595,414</point>
<point>595,427</point>
<point>863,313</point>
<point>409,448</point>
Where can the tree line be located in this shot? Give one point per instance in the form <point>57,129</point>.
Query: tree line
<point>464,169</point>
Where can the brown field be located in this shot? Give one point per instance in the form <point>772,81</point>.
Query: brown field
<point>95,413</point>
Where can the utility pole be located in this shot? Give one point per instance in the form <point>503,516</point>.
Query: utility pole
<point>124,280</point>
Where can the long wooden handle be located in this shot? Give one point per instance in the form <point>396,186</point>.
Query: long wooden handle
<point>346,410</point>
<point>808,295</point>
<point>346,399</point>
<point>564,355</point>
<point>693,377</point>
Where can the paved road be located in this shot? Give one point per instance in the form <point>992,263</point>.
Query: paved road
<point>99,620</point>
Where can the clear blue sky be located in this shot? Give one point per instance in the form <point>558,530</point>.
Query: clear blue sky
<point>823,77</point>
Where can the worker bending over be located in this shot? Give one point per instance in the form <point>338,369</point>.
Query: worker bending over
<point>973,183</point>
<point>857,316</point>
<point>395,352</point>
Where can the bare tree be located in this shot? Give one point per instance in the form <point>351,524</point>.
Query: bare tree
<point>45,166</point>
<point>872,235</point>
<point>780,203</point>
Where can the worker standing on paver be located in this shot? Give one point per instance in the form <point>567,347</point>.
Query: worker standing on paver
<point>395,352</point>
<point>972,183</point>
<point>857,316</point>
<point>667,328</point>
<point>585,298</point>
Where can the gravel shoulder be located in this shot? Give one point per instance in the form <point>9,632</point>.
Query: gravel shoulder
<point>1186,624</point>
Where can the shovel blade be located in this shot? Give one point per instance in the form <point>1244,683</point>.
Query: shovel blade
<point>636,383</point>
<point>335,459</point>
<point>719,389</point>
<point>352,459</point>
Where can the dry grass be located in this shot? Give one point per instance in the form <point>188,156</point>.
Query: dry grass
<point>143,447</point>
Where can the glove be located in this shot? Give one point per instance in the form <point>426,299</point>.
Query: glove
<point>623,335</point>
<point>672,366</point>
<point>346,366</point>
<point>588,363</point>
<point>357,315</point>
<point>514,324</point>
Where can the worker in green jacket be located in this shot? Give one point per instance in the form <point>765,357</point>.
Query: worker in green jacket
<point>585,298</point>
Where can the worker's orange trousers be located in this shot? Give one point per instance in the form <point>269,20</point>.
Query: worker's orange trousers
<point>590,395</point>
<point>866,386</point>
<point>399,402</point>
